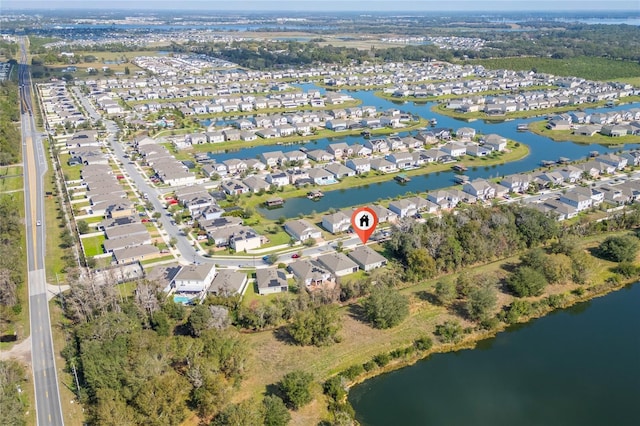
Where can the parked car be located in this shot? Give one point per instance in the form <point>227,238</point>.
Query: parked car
<point>295,256</point>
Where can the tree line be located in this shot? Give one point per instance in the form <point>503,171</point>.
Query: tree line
<point>11,260</point>
<point>9,128</point>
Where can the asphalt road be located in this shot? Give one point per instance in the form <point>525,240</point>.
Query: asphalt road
<point>48,408</point>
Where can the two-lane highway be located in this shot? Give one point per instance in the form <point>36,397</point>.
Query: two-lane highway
<point>48,408</point>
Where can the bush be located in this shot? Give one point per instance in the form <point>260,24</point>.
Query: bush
<point>627,269</point>
<point>449,331</point>
<point>423,343</point>
<point>556,300</point>
<point>335,388</point>
<point>353,372</point>
<point>369,365</point>
<point>382,359</point>
<point>517,310</point>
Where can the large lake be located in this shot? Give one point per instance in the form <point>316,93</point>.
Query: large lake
<point>579,366</point>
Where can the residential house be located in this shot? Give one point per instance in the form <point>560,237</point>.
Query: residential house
<point>228,282</point>
<point>367,258</point>
<point>194,278</point>
<point>271,280</point>
<point>518,183</point>
<point>495,142</point>
<point>338,264</point>
<point>279,179</point>
<point>383,165</point>
<point>576,200</point>
<point>339,171</point>
<point>359,165</point>
<point>454,149</point>
<point>302,230</point>
<point>321,176</point>
<point>479,188</point>
<point>234,187</point>
<point>336,222</point>
<point>311,273</point>
<point>403,208</point>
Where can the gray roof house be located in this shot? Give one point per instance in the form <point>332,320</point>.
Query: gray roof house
<point>271,280</point>
<point>338,263</point>
<point>301,230</point>
<point>367,258</point>
<point>311,273</point>
<point>336,222</point>
<point>194,278</point>
<point>228,283</point>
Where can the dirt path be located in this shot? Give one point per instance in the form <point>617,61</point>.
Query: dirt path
<point>20,352</point>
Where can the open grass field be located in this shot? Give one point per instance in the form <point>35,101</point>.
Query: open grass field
<point>590,68</point>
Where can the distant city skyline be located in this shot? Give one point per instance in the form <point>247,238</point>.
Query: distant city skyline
<point>398,6</point>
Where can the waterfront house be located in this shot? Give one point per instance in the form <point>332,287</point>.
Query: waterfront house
<point>302,230</point>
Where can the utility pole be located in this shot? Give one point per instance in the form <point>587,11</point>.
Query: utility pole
<point>75,374</point>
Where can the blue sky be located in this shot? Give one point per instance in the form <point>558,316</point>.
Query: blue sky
<point>330,5</point>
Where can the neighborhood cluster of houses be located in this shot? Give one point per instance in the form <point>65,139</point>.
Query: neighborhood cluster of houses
<point>568,91</point>
<point>610,123</point>
<point>223,231</point>
<point>195,281</point>
<point>127,238</point>
<point>274,169</point>
<point>166,167</point>
<point>574,199</point>
<point>58,106</point>
<point>300,123</point>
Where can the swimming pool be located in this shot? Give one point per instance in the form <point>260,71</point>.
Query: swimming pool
<point>185,300</point>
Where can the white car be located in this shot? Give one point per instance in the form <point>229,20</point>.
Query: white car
<point>38,223</point>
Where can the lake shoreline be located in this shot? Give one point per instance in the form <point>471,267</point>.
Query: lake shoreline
<point>472,340</point>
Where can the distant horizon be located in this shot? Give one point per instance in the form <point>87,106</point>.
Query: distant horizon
<point>329,6</point>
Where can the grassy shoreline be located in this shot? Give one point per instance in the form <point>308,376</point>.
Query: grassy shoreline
<point>539,128</point>
<point>273,358</point>
<point>471,116</point>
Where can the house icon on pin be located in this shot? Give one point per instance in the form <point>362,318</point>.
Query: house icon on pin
<point>364,221</point>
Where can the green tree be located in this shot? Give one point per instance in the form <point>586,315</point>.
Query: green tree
<point>83,226</point>
<point>162,400</point>
<point>446,292</point>
<point>386,307</point>
<point>317,326</point>
<point>619,248</point>
<point>295,387</point>
<point>246,413</point>
<point>482,300</point>
<point>526,281</point>
<point>12,378</point>
<point>275,412</point>
<point>420,265</point>
<point>199,320</point>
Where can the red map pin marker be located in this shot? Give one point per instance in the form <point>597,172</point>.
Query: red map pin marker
<point>364,222</point>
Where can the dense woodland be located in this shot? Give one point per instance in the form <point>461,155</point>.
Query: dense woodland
<point>9,123</point>
<point>12,272</point>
